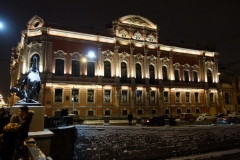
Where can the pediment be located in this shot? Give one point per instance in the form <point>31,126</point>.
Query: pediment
<point>138,21</point>
<point>35,22</point>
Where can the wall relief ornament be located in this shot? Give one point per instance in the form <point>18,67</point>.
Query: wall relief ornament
<point>107,55</point>
<point>138,58</point>
<point>209,64</point>
<point>60,54</point>
<point>165,61</point>
<point>177,66</point>
<point>136,21</point>
<point>124,56</point>
<point>35,47</point>
<point>75,55</point>
<point>186,66</point>
<point>152,60</point>
<point>195,67</point>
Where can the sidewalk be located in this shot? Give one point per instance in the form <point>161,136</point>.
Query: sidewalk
<point>218,155</point>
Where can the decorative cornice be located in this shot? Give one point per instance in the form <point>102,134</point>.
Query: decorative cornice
<point>186,66</point>
<point>107,55</point>
<point>152,59</point>
<point>176,66</point>
<point>195,67</point>
<point>75,55</point>
<point>209,64</point>
<point>124,56</point>
<point>60,54</point>
<point>138,58</point>
<point>35,47</point>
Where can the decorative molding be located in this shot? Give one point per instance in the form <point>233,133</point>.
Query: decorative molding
<point>152,60</point>
<point>165,61</point>
<point>209,64</point>
<point>137,33</point>
<point>138,58</point>
<point>123,31</point>
<point>107,55</point>
<point>195,67</point>
<point>35,47</point>
<point>124,56</point>
<point>116,48</point>
<point>75,55</point>
<point>99,46</point>
<point>186,66</point>
<point>60,54</point>
<point>177,66</point>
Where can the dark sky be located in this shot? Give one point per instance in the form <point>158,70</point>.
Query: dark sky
<point>191,21</point>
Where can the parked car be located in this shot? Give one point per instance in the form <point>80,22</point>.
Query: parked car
<point>187,117</point>
<point>76,118</point>
<point>218,115</point>
<point>223,120</point>
<point>234,115</point>
<point>159,121</point>
<point>204,116</point>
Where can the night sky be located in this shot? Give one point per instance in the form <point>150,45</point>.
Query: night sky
<point>195,22</point>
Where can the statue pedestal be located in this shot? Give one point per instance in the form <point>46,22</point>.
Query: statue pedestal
<point>37,123</point>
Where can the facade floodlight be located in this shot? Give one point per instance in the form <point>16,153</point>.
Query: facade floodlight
<point>91,54</point>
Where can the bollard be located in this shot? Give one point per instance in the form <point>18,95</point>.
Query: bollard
<point>167,123</point>
<point>106,121</point>
<point>139,122</point>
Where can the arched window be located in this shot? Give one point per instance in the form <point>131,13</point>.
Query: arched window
<point>186,76</point>
<point>107,69</point>
<point>164,73</point>
<point>75,68</point>
<point>90,69</point>
<point>176,75</point>
<point>209,76</point>
<point>38,59</point>
<point>195,77</point>
<point>226,98</point>
<point>138,73</point>
<point>59,68</point>
<point>123,72</point>
<point>151,74</point>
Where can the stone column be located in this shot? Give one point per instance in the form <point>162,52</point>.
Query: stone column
<point>146,74</point>
<point>117,97</point>
<point>116,64</point>
<point>148,89</point>
<point>134,88</point>
<point>131,66</point>
<point>170,67</point>
<point>99,46</point>
<point>161,89</point>
<point>203,69</point>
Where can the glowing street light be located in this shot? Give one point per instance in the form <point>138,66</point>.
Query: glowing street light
<point>91,54</point>
<point>1,25</point>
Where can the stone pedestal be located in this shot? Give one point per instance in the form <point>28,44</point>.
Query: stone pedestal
<point>37,123</point>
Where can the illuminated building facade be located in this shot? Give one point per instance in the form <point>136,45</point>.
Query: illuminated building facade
<point>123,69</point>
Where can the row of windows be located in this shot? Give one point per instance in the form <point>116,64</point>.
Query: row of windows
<point>107,96</point>
<point>126,112</point>
<point>59,71</point>
<point>136,36</point>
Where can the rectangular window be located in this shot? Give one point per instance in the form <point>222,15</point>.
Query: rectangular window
<point>179,111</point>
<point>75,95</point>
<point>90,96</point>
<point>195,77</point>
<point>186,76</point>
<point>139,97</point>
<point>166,111</point>
<point>196,97</point>
<point>154,111</point>
<point>124,97</point>
<point>188,111</point>
<point>58,95</point>
<point>197,110</point>
<point>178,98</point>
<point>176,74</point>
<point>139,111</point>
<point>75,68</point>
<point>90,113</point>
<point>187,97</point>
<point>152,97</point>
<point>124,112</point>
<point>107,113</point>
<point>165,96</point>
<point>107,96</point>
<point>238,99</point>
<point>211,97</point>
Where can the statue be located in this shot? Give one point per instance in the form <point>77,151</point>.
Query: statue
<point>32,84</point>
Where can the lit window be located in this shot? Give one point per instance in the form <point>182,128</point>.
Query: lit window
<point>107,96</point>
<point>153,97</point>
<point>75,94</point>
<point>178,98</point>
<point>90,96</point>
<point>187,97</point>
<point>124,98</point>
<point>58,95</point>
<point>165,96</point>
<point>139,97</point>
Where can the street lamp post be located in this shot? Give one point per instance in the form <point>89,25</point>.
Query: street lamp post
<point>73,102</point>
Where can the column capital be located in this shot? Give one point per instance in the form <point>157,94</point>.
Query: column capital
<point>99,46</point>
<point>116,48</point>
<point>131,49</point>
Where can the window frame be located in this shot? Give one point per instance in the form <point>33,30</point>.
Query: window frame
<point>87,96</point>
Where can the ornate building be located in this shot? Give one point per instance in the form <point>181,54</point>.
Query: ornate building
<point>122,69</point>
